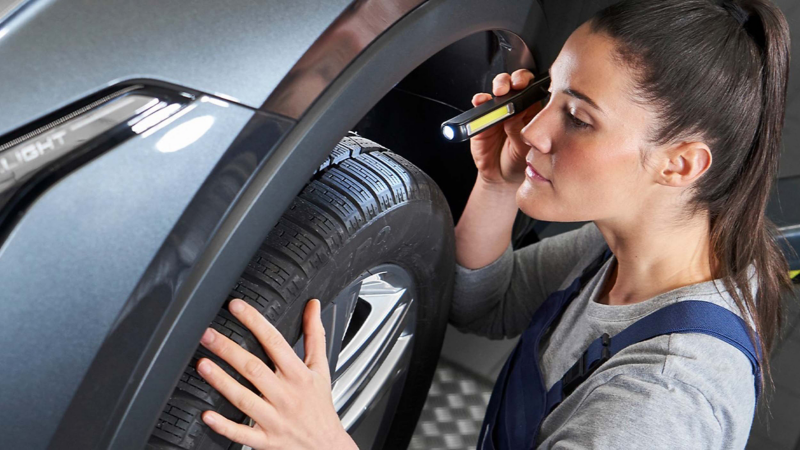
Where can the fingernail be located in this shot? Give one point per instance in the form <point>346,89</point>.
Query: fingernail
<point>208,337</point>
<point>236,305</point>
<point>204,367</point>
<point>209,419</point>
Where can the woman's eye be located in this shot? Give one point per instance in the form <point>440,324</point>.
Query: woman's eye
<point>575,122</point>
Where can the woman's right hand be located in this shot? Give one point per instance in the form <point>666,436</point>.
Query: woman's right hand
<point>499,151</point>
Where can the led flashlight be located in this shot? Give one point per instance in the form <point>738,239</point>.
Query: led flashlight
<point>496,110</point>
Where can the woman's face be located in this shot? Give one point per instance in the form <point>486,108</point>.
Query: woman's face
<point>587,143</point>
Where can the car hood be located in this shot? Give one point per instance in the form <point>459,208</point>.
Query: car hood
<point>6,6</point>
<point>55,52</point>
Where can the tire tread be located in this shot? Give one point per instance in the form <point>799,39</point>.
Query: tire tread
<point>357,181</point>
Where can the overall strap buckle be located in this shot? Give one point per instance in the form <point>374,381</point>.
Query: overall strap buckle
<point>582,369</point>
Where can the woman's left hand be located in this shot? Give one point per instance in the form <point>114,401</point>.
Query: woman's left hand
<point>296,408</point>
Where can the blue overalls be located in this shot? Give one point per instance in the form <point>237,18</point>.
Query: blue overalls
<point>520,400</point>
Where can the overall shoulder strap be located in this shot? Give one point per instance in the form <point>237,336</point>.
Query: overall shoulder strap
<point>517,405</point>
<point>691,316</point>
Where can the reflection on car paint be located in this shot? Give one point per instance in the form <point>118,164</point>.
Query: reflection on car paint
<point>337,47</point>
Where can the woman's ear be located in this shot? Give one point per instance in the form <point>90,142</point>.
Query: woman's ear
<point>684,163</point>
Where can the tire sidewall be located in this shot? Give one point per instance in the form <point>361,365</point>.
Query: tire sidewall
<point>413,235</point>
<point>418,236</point>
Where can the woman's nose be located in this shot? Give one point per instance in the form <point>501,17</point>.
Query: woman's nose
<point>537,133</point>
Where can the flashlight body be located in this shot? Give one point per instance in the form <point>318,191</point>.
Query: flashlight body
<point>496,110</point>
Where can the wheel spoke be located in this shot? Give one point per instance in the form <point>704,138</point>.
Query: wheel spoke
<point>350,380</point>
<point>369,327</point>
<point>335,319</point>
<point>382,298</point>
<point>342,310</point>
<point>375,342</point>
<point>377,384</point>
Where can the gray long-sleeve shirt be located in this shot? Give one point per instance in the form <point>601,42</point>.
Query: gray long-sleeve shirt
<point>679,391</point>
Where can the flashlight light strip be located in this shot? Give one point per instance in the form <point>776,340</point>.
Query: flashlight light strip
<point>490,119</point>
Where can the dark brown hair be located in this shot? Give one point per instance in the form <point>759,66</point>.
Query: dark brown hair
<point>719,70</point>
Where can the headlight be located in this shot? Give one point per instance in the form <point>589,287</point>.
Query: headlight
<point>39,158</point>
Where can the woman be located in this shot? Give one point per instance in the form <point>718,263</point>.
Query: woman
<point>663,131</point>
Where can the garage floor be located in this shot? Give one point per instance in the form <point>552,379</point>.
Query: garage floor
<point>454,410</point>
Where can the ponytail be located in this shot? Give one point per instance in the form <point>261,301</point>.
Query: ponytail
<point>741,233</point>
<point>720,72</point>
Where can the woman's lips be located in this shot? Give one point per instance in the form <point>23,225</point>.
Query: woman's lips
<point>531,173</point>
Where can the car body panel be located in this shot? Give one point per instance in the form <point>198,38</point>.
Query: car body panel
<point>344,39</point>
<point>7,6</point>
<point>77,254</point>
<point>55,52</point>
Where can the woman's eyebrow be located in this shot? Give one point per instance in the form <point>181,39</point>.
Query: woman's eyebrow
<point>579,95</point>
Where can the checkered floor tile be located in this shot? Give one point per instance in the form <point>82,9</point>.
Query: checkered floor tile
<point>454,411</point>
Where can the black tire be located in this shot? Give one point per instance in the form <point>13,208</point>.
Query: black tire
<point>363,207</point>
